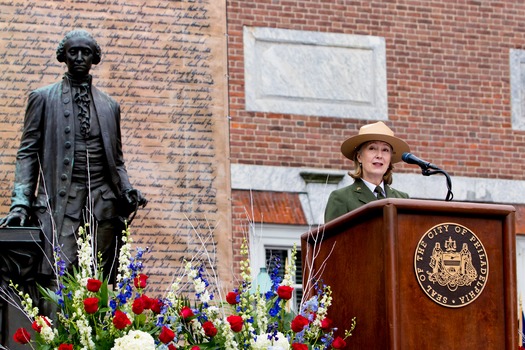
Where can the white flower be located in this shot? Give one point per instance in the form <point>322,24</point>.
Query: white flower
<point>290,269</point>
<point>26,301</point>
<point>46,331</point>
<point>199,284</point>
<point>192,274</point>
<point>124,257</point>
<point>174,290</point>
<point>197,327</point>
<point>263,343</point>
<point>84,330</point>
<point>262,314</point>
<point>230,343</point>
<point>205,297</point>
<point>135,340</point>
<point>212,310</point>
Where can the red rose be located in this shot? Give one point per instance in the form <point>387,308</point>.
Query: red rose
<point>22,336</point>
<point>138,306</point>
<point>298,323</point>
<point>65,347</point>
<point>209,329</point>
<point>156,305</point>
<point>172,347</point>
<point>140,281</point>
<point>235,322</point>
<point>166,335</point>
<point>146,301</point>
<point>93,285</point>
<point>186,312</point>
<point>285,292</point>
<point>338,343</point>
<point>195,347</point>
<point>299,346</point>
<point>91,305</point>
<point>121,320</point>
<point>326,324</point>
<point>37,328</point>
<point>231,298</point>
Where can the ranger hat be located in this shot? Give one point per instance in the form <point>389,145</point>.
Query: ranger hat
<point>375,132</point>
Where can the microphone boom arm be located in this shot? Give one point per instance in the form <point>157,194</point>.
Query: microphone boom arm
<point>437,170</point>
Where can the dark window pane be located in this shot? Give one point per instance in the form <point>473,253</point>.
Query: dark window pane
<point>298,297</point>
<point>276,257</point>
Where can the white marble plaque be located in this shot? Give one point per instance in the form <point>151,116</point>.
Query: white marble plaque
<point>312,73</point>
<point>517,88</point>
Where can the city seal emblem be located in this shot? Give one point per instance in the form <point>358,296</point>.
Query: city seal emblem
<point>451,265</point>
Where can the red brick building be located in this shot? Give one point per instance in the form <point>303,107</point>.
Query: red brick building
<point>453,92</point>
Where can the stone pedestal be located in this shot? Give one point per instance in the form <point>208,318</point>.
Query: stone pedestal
<point>20,256</point>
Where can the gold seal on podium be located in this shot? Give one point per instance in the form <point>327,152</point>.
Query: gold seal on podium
<point>451,265</point>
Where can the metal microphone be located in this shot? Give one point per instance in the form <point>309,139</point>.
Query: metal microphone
<point>412,159</point>
<point>425,166</point>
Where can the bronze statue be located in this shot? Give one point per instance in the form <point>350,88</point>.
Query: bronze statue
<point>70,158</point>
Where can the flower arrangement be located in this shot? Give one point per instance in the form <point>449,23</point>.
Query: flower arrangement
<point>93,316</point>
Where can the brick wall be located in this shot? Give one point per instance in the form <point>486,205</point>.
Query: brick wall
<point>240,229</point>
<point>448,83</point>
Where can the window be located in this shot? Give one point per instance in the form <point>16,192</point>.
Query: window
<point>283,255</point>
<point>270,241</point>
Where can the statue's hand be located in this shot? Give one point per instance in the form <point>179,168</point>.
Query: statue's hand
<point>133,200</point>
<point>141,199</point>
<point>16,217</point>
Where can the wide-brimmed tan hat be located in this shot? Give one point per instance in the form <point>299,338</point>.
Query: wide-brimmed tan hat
<point>375,132</point>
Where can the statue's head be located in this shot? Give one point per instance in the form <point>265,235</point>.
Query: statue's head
<point>97,52</point>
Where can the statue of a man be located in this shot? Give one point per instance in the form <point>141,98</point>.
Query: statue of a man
<point>70,158</point>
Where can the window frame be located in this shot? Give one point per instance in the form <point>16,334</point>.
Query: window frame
<point>272,236</point>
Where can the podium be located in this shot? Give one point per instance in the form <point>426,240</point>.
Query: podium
<point>419,274</point>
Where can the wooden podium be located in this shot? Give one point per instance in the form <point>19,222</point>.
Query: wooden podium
<point>419,274</point>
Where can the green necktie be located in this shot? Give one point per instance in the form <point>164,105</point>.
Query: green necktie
<point>379,192</point>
